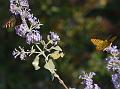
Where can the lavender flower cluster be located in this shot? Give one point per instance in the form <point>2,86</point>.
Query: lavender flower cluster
<point>21,7</point>
<point>87,80</point>
<point>113,64</point>
<point>53,39</point>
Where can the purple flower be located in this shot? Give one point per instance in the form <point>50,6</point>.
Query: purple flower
<point>20,53</point>
<point>24,12</point>
<point>96,86</point>
<point>21,7</point>
<point>24,3</point>
<point>14,6</point>
<point>17,6</point>
<point>33,37</point>
<point>113,64</point>
<point>34,21</point>
<point>116,80</point>
<point>87,80</point>
<point>15,53</point>
<point>112,50</point>
<point>21,30</point>
<point>54,37</point>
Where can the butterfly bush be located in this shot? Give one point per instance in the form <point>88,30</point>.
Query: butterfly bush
<point>29,30</point>
<point>113,64</point>
<point>21,7</point>
<point>88,81</point>
<point>50,50</point>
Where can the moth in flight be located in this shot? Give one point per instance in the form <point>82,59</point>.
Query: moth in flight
<point>102,44</point>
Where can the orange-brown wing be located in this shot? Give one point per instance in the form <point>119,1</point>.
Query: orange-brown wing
<point>100,44</point>
<point>97,42</point>
<point>103,45</point>
<point>10,23</point>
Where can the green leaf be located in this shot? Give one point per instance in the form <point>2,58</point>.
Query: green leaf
<point>50,66</point>
<point>57,48</point>
<point>55,55</point>
<point>35,63</point>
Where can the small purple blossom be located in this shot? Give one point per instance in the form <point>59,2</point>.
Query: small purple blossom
<point>20,7</point>
<point>87,80</point>
<point>21,30</point>
<point>34,21</point>
<point>33,37</point>
<point>24,12</point>
<point>16,53</point>
<point>24,3</point>
<point>116,80</point>
<point>54,37</point>
<point>112,50</point>
<point>14,7</point>
<point>20,53</point>
<point>96,86</point>
<point>113,64</point>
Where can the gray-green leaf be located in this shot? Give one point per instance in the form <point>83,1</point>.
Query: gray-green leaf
<point>50,66</point>
<point>35,63</point>
<point>57,48</point>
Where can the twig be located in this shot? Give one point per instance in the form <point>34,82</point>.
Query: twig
<point>61,81</point>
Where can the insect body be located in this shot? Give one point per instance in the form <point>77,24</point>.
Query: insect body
<point>12,21</point>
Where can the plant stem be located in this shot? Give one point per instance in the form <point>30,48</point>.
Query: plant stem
<point>61,81</point>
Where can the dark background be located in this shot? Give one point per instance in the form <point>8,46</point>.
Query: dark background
<point>76,22</point>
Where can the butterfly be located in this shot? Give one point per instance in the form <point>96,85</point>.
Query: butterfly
<point>102,44</point>
<point>13,21</point>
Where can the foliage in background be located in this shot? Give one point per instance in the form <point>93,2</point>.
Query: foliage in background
<point>67,18</point>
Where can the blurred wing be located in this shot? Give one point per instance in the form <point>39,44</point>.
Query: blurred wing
<point>10,23</point>
<point>100,44</point>
<point>112,39</point>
